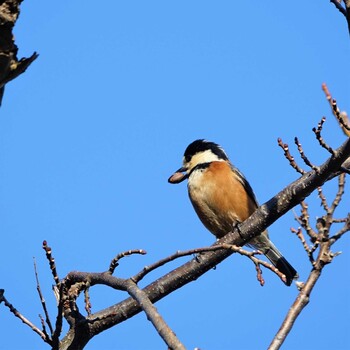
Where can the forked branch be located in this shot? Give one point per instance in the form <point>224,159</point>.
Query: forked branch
<point>320,236</point>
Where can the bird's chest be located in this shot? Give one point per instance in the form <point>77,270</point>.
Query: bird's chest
<point>214,201</point>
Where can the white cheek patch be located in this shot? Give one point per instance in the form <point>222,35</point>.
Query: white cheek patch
<point>204,157</point>
<point>195,178</point>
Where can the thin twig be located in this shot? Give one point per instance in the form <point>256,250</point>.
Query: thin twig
<point>339,221</point>
<point>236,249</point>
<point>340,233</point>
<point>289,157</point>
<point>259,275</point>
<point>341,117</point>
<point>319,138</point>
<point>51,260</point>
<point>22,318</point>
<point>42,299</point>
<point>304,157</point>
<point>324,224</point>
<point>256,261</point>
<point>300,235</point>
<point>147,269</point>
<point>44,327</point>
<point>325,255</point>
<point>305,223</point>
<point>115,262</point>
<point>338,197</point>
<point>323,198</point>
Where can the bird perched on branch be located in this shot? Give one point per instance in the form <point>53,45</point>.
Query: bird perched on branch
<point>222,197</point>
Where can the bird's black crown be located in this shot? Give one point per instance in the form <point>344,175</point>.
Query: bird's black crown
<point>202,146</point>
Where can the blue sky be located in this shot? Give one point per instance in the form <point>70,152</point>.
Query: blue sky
<point>91,132</point>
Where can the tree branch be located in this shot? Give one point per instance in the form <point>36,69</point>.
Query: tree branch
<point>43,302</point>
<point>325,256</point>
<point>152,314</point>
<point>22,318</point>
<point>258,222</point>
<point>344,10</point>
<point>299,304</point>
<point>10,66</point>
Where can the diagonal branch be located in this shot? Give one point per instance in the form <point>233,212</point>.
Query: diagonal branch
<point>152,315</point>
<point>299,304</point>
<point>324,257</point>
<point>258,222</point>
<point>43,302</point>
<point>22,318</point>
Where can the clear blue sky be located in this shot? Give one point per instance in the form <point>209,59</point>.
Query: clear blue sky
<point>91,132</point>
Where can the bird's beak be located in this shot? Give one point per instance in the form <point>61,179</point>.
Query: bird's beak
<point>178,176</point>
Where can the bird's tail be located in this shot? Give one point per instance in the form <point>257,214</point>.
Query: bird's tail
<point>263,244</point>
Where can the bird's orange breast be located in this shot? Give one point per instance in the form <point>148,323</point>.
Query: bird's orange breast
<point>219,198</point>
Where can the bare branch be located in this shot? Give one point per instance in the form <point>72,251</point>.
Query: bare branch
<point>51,262</point>
<point>43,325</point>
<point>115,262</point>
<point>305,223</point>
<point>299,304</point>
<point>345,11</point>
<point>232,247</point>
<point>42,299</point>
<point>22,318</point>
<point>319,137</point>
<point>323,199</point>
<point>338,197</point>
<point>10,66</point>
<point>17,68</point>
<point>257,262</point>
<point>300,235</point>
<point>341,117</point>
<point>338,5</point>
<point>289,157</point>
<point>87,301</point>
<point>152,315</point>
<point>256,223</point>
<point>179,254</point>
<point>325,256</point>
<point>340,233</point>
<point>303,156</point>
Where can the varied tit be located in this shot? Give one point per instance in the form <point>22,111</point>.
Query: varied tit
<point>222,197</point>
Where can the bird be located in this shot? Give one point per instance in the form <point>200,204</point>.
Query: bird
<point>222,198</point>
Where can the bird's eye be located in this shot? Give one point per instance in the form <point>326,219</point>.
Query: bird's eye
<point>188,158</point>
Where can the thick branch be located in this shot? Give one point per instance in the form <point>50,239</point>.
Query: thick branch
<point>152,314</point>
<point>10,66</point>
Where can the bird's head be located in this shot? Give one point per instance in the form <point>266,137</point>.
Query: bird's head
<point>198,153</point>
